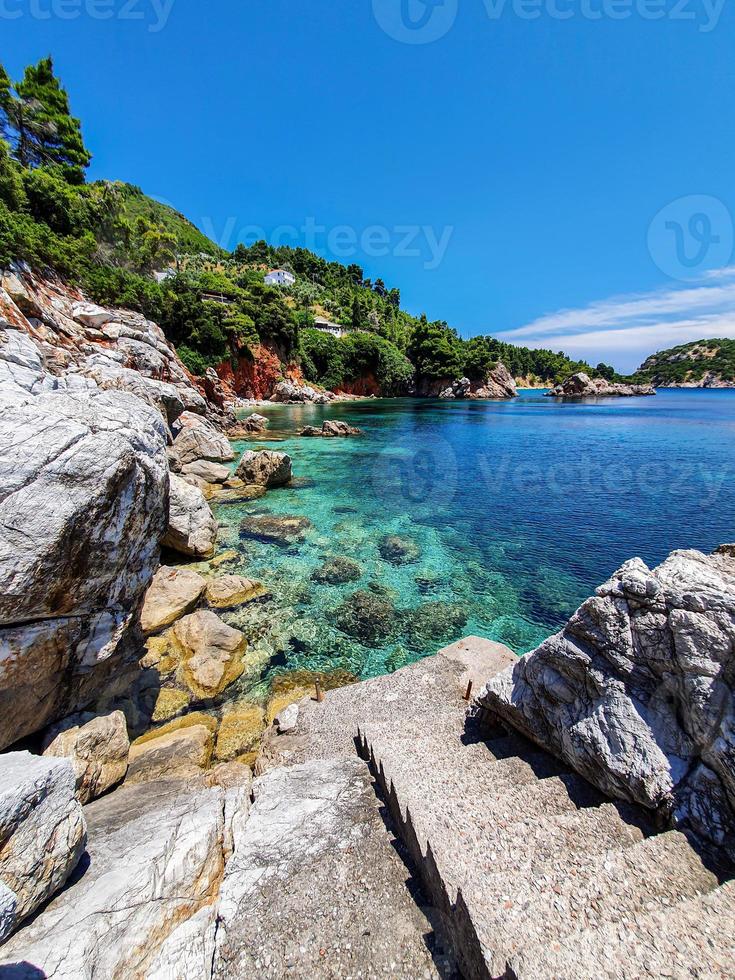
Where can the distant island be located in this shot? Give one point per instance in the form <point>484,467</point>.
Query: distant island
<point>701,364</point>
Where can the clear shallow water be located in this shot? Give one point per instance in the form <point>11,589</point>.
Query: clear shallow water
<point>517,511</point>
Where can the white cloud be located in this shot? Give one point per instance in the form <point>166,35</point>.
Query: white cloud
<point>623,330</point>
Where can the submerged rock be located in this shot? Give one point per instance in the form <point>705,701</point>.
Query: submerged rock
<point>97,746</point>
<point>266,468</point>
<point>275,528</point>
<point>228,591</point>
<point>398,550</point>
<point>173,593</point>
<point>192,529</point>
<point>337,571</point>
<point>42,828</point>
<point>366,616</point>
<point>636,691</point>
<point>238,495</point>
<point>240,731</point>
<point>432,622</point>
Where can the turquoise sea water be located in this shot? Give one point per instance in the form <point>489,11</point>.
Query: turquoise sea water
<point>511,514</point>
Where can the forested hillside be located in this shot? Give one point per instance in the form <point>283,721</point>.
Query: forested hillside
<point>704,363</point>
<point>111,239</point>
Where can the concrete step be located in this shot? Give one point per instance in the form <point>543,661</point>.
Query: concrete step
<point>513,856</point>
<point>693,938</point>
<point>510,912</point>
<point>316,887</point>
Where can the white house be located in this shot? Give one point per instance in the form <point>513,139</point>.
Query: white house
<point>328,327</point>
<point>279,277</point>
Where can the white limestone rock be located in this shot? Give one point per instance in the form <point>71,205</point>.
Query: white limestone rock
<point>146,903</point>
<point>636,692</point>
<point>198,439</point>
<point>91,315</point>
<point>8,905</point>
<point>192,529</point>
<point>288,391</point>
<point>110,376</point>
<point>97,746</point>
<point>42,828</point>
<point>83,488</point>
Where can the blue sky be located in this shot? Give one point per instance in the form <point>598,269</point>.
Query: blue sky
<point>559,172</point>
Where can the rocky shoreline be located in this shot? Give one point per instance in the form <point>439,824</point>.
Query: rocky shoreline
<point>133,840</point>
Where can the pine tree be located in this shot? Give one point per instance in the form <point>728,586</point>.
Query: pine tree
<point>36,120</point>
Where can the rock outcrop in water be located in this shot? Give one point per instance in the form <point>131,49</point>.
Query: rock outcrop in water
<point>499,383</point>
<point>331,429</point>
<point>582,386</point>
<point>265,468</point>
<point>636,693</point>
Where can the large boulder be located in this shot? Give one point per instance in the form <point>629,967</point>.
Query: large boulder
<point>265,468</point>
<point>636,692</point>
<point>192,529</point>
<point>177,754</point>
<point>173,593</point>
<point>202,469</point>
<point>255,423</point>
<point>83,493</point>
<point>146,905</point>
<point>110,376</point>
<point>458,389</point>
<point>212,652</point>
<point>97,746</point>
<point>198,439</point>
<point>42,828</point>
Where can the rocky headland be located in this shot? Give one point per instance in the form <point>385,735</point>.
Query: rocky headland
<point>582,386</point>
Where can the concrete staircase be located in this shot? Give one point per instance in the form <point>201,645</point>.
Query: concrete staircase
<point>533,873</point>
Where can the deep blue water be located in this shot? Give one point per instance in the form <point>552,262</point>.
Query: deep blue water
<point>516,512</point>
